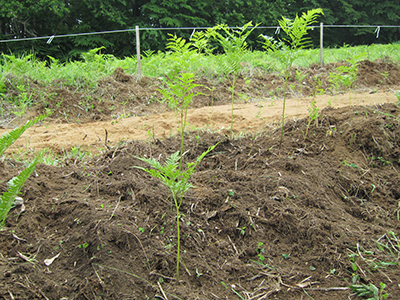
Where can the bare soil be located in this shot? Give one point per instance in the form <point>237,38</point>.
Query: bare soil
<point>266,220</point>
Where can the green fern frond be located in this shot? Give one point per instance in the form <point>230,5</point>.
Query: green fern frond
<point>8,139</point>
<point>15,185</point>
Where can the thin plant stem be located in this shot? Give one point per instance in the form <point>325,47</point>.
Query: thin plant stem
<point>183,126</point>
<point>284,103</point>
<point>233,99</point>
<point>177,206</point>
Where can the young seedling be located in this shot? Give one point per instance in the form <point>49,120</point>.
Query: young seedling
<point>286,50</point>
<point>233,41</point>
<point>178,93</point>
<point>370,290</point>
<point>177,180</point>
<point>313,115</point>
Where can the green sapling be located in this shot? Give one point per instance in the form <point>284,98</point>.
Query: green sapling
<point>177,180</point>
<point>286,50</point>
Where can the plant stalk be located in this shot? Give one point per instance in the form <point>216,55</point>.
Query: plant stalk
<point>284,102</point>
<point>178,232</point>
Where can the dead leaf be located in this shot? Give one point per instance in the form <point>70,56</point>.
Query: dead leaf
<point>49,261</point>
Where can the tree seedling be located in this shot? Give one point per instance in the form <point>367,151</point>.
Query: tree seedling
<point>233,41</point>
<point>286,50</point>
<point>177,180</point>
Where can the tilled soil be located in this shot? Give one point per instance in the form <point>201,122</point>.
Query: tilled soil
<point>305,217</point>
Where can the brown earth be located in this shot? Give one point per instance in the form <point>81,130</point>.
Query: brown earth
<point>299,219</point>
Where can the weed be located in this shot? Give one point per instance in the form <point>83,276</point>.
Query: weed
<point>345,76</point>
<point>260,251</point>
<point>397,94</point>
<point>242,230</point>
<point>313,115</point>
<point>378,161</point>
<point>83,246</point>
<point>300,75</point>
<point>353,165</point>
<point>370,290</point>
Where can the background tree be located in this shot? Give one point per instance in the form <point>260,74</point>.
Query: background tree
<point>35,18</point>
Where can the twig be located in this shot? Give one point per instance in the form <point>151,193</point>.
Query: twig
<point>233,245</point>
<point>162,291</point>
<point>105,142</point>
<point>11,295</point>
<point>338,288</point>
<point>69,174</point>
<point>101,281</point>
<point>161,275</point>
<point>116,206</point>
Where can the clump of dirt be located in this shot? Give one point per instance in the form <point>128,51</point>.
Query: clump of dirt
<point>305,217</point>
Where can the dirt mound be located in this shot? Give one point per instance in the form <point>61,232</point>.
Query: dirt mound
<point>124,95</point>
<point>265,220</point>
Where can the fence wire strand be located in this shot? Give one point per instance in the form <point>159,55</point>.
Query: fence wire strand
<point>277,28</point>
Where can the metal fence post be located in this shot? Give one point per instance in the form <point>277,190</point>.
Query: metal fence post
<point>321,44</point>
<point>139,64</point>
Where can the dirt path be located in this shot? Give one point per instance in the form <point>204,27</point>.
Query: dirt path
<point>250,117</point>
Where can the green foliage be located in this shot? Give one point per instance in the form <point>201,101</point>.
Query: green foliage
<point>24,19</point>
<point>344,76</point>
<point>312,115</point>
<point>9,138</point>
<point>178,92</point>
<point>233,41</point>
<point>397,94</point>
<point>286,50</point>
<point>177,180</point>
<point>370,290</point>
<point>16,183</point>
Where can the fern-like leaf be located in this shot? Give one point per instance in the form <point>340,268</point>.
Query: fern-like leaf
<point>15,185</point>
<point>9,138</point>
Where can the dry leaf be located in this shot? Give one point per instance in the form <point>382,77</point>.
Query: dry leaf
<point>49,261</point>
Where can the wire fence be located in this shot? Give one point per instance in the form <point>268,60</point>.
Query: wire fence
<point>277,28</point>
<point>137,29</point>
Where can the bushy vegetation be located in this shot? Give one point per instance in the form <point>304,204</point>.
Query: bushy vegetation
<point>96,65</point>
<point>26,19</point>
<point>198,55</point>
